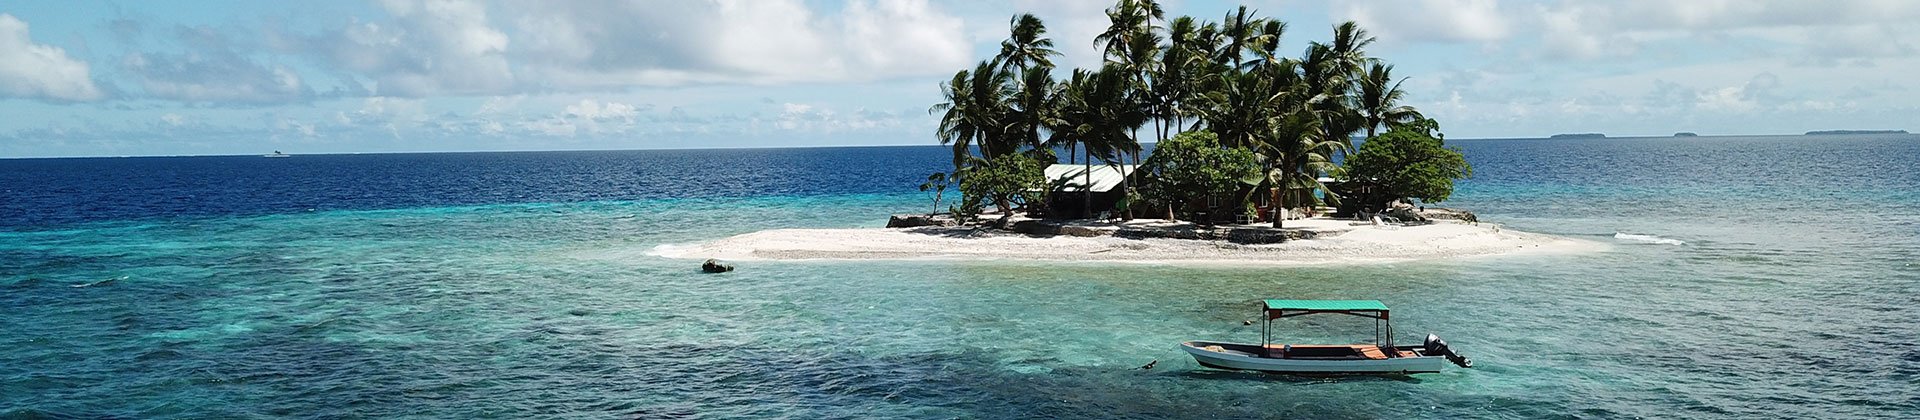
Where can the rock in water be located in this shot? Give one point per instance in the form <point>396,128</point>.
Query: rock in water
<point>714,266</point>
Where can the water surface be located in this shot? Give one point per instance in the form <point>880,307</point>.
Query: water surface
<point>519,285</point>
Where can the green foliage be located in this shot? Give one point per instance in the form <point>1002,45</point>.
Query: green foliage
<point>1179,73</point>
<point>1002,180</point>
<point>1410,161</point>
<point>937,186</point>
<point>1192,166</point>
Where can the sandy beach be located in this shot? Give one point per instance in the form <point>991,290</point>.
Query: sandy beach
<point>1338,242</point>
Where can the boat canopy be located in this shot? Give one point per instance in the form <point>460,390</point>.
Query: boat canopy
<point>1281,308</point>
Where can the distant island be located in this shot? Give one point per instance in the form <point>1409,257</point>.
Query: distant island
<point>1579,136</point>
<point>1827,132</point>
<point>1686,134</point>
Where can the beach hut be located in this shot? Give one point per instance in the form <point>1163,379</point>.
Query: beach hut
<point>1078,192</point>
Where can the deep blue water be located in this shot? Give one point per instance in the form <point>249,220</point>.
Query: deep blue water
<point>521,285</point>
<point>53,192</point>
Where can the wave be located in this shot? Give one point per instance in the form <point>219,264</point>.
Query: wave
<point>100,283</point>
<point>669,251</point>
<point>1651,239</point>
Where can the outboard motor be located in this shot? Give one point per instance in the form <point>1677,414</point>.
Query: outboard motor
<point>1436,346</point>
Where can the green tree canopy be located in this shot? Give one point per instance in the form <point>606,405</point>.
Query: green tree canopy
<point>1192,166</point>
<point>1410,161</point>
<point>1001,180</point>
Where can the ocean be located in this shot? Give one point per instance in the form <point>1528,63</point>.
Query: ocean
<point>1746,277</point>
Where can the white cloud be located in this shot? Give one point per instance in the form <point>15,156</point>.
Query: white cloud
<point>1071,24</point>
<point>500,105</point>
<point>39,71</point>
<point>594,110</point>
<point>221,78</point>
<point>592,45</point>
<point>1432,20</point>
<point>387,109</point>
<point>214,68</point>
<point>1832,30</point>
<point>905,37</point>
<point>431,47</point>
<point>173,119</point>
<point>809,118</point>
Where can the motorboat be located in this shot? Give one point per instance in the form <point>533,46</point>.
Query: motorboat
<point>276,154</point>
<point>1381,356</point>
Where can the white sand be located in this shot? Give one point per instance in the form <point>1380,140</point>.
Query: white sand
<point>1338,243</point>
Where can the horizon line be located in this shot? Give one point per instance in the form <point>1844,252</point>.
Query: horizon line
<point>1607,136</point>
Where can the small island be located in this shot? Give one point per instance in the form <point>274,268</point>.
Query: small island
<point>1853,132</point>
<point>1579,136</point>
<point>1049,165</point>
<point>1686,134</point>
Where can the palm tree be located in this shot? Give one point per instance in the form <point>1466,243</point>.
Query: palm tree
<point>1240,108</point>
<point>1296,155</point>
<point>1131,41</point>
<point>1027,45</point>
<point>1034,104</point>
<point>1094,114</point>
<point>975,115</point>
<point>1327,87</point>
<point>959,123</point>
<point>1380,99</point>
<point>1174,82</point>
<point>1349,47</point>
<point>1265,43</point>
<point>1237,31</point>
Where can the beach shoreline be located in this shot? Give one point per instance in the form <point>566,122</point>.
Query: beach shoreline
<point>1335,242</point>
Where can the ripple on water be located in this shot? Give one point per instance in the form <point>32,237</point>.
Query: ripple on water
<point>458,307</point>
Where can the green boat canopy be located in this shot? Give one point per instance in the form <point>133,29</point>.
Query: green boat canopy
<point>1324,305</point>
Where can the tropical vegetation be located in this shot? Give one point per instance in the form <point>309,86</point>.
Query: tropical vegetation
<point>1193,168</point>
<point>1205,92</point>
<point>1409,161</point>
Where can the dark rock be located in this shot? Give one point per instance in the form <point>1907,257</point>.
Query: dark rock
<point>1081,231</point>
<point>714,266</point>
<point>1035,227</point>
<point>1244,236</point>
<point>1405,215</point>
<point>1438,213</point>
<point>915,220</point>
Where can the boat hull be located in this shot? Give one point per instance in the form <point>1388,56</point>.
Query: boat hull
<point>1240,360</point>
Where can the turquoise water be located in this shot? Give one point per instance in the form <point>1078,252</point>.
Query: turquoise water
<point>1791,295</point>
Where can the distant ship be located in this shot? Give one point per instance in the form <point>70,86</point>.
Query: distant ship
<point>277,154</point>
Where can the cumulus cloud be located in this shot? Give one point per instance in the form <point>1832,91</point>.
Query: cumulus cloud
<point>1071,24</point>
<point>214,70</point>
<point>809,118</point>
<point>594,110</point>
<point>29,70</point>
<point>585,45</point>
<point>1433,20</point>
<point>1830,30</point>
<point>429,47</point>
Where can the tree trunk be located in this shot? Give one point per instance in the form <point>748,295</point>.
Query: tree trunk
<point>1280,205</point>
<point>1086,190</point>
<point>1128,180</point>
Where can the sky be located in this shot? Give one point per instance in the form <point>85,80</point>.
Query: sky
<point>82,78</point>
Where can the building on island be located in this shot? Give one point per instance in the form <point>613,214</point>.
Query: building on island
<point>1079,193</point>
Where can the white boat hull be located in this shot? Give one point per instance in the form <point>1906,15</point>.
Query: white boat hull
<point>1241,360</point>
